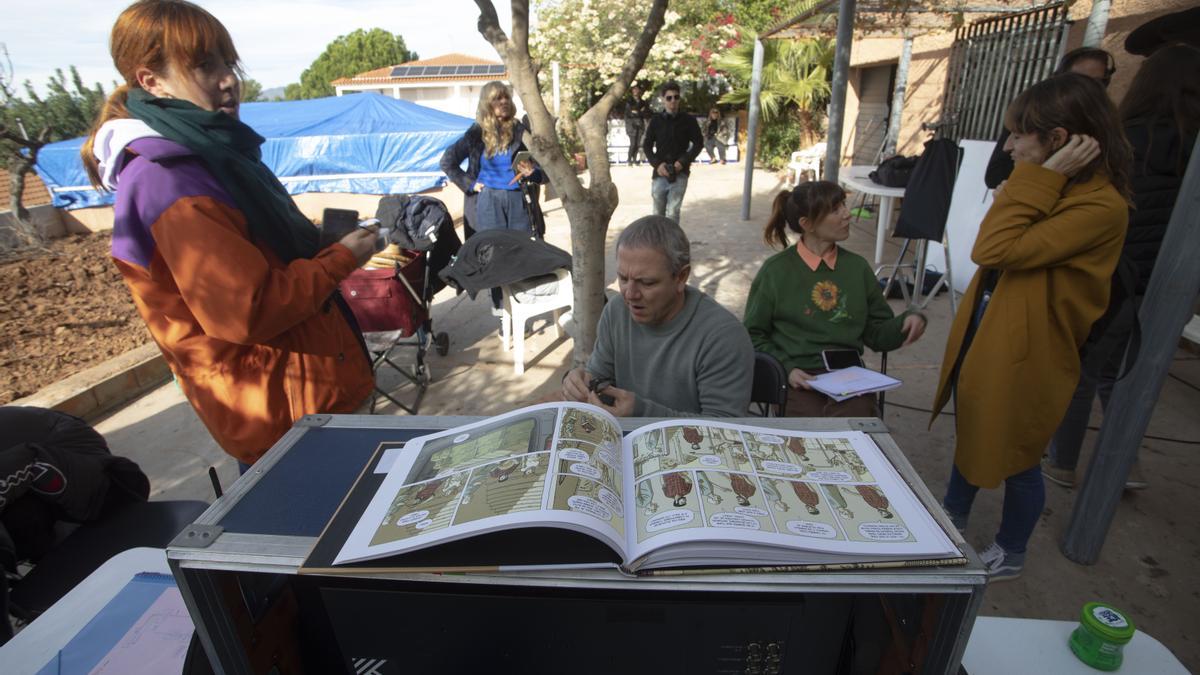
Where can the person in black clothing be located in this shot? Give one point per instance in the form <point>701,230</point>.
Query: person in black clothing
<point>1095,63</point>
<point>1161,117</point>
<point>637,111</point>
<point>672,143</point>
<point>716,135</point>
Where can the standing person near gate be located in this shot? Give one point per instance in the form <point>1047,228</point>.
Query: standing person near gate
<point>637,111</point>
<point>493,173</point>
<point>673,141</point>
<point>223,267</point>
<point>1046,252</point>
<point>716,135</point>
<point>1161,115</point>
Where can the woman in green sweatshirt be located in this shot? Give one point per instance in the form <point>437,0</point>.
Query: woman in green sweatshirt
<point>816,296</point>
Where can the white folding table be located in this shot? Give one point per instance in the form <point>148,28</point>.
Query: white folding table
<point>856,178</point>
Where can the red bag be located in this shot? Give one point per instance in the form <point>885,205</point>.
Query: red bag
<point>383,300</point>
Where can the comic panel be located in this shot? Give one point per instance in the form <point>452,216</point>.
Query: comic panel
<point>590,461</point>
<point>531,432</point>
<point>421,508</point>
<point>733,500</point>
<point>866,514</point>
<point>648,450</point>
<point>512,485</point>
<point>701,447</point>
<point>770,455</point>
<point>581,425</point>
<point>830,460</point>
<point>801,508</point>
<point>666,502</point>
<point>572,493</point>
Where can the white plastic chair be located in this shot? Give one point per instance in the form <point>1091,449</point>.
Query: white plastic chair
<point>809,159</point>
<point>524,300</point>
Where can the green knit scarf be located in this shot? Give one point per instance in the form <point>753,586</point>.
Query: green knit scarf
<point>230,150</point>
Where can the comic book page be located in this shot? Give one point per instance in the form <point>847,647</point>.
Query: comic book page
<point>821,491</point>
<point>553,464</point>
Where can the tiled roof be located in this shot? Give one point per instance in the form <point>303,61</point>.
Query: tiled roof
<point>34,194</point>
<point>383,75</point>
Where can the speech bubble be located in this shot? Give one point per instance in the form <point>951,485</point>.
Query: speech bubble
<point>611,500</point>
<point>669,519</point>
<point>830,476</point>
<point>461,437</point>
<point>883,531</point>
<point>424,524</point>
<point>410,518</point>
<point>738,520</point>
<point>751,511</point>
<point>809,528</point>
<point>771,439</point>
<point>781,467</point>
<point>585,470</point>
<point>710,460</point>
<point>573,455</point>
<point>608,457</point>
<point>589,506</point>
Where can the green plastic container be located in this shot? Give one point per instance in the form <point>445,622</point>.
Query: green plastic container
<point>1101,636</point>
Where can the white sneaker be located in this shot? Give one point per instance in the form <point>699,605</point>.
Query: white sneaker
<point>1000,565</point>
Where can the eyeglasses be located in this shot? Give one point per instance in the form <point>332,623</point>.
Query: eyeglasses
<point>671,98</point>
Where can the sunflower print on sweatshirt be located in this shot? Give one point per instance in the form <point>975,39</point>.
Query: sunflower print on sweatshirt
<point>827,297</point>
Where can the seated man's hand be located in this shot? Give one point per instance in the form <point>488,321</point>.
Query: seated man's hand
<point>575,385</point>
<point>913,328</point>
<point>622,401</point>
<point>798,379</point>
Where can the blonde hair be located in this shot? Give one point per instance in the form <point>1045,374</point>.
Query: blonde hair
<point>497,135</point>
<point>159,35</point>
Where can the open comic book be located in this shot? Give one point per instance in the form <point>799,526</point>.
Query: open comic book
<point>681,493</point>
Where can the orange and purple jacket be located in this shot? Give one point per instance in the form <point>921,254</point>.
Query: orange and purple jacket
<point>254,343</point>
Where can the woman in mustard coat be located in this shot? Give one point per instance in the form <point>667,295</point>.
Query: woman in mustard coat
<point>1046,253</point>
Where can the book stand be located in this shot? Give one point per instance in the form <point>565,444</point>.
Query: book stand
<point>237,569</point>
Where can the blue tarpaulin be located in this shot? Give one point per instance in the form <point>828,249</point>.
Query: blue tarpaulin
<point>363,143</point>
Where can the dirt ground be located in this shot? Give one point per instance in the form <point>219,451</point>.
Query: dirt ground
<point>62,309</point>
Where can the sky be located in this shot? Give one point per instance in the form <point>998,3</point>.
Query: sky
<point>276,39</point>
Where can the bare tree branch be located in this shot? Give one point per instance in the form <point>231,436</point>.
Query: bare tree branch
<point>520,25</point>
<point>489,28</point>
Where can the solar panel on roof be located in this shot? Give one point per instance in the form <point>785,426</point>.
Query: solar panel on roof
<point>495,70</point>
<point>447,70</point>
<point>399,71</point>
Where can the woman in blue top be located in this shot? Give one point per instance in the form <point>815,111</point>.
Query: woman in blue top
<point>492,181</point>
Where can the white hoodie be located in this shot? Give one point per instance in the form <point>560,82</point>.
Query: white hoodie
<point>110,142</point>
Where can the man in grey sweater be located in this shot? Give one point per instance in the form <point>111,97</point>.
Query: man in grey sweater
<point>667,350</point>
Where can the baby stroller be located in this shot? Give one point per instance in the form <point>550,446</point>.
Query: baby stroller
<point>391,296</point>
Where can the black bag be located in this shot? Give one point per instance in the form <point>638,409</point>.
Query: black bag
<point>927,196</point>
<point>894,171</point>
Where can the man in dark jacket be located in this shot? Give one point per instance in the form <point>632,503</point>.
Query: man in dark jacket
<point>673,141</point>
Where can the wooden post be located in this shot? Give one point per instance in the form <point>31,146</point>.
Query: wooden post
<point>1165,310</point>
<point>752,131</point>
<point>841,79</point>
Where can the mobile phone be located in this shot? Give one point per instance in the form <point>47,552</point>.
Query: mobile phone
<point>836,359</point>
<point>337,223</point>
<point>521,156</point>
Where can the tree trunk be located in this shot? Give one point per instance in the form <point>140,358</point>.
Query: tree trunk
<point>24,232</point>
<point>590,209</point>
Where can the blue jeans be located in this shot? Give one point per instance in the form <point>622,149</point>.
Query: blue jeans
<point>668,197</point>
<point>1024,498</point>
<point>500,210</point>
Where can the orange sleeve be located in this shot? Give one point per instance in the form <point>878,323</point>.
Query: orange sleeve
<point>226,280</point>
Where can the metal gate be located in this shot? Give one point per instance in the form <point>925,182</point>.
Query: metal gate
<point>992,61</point>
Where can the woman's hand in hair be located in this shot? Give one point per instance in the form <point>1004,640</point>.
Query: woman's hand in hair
<point>798,379</point>
<point>1078,152</point>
